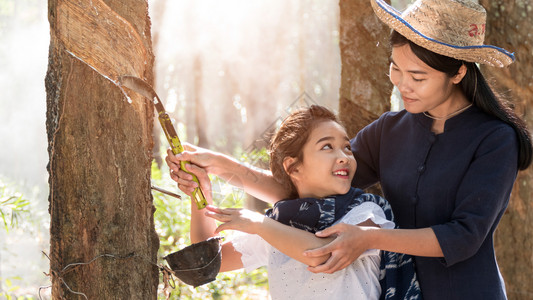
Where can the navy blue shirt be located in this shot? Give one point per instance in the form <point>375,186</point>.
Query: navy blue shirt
<point>457,182</point>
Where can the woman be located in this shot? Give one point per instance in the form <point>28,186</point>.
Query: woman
<point>446,164</point>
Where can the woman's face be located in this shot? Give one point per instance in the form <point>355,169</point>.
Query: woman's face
<point>422,88</point>
<point>328,163</point>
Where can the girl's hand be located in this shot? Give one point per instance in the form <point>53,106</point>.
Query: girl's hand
<point>348,245</point>
<point>235,219</point>
<point>200,162</point>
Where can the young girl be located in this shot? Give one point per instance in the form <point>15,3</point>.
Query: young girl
<point>311,156</point>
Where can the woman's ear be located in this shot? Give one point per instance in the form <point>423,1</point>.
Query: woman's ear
<point>460,74</point>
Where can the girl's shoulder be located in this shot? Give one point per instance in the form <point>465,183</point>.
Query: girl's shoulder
<point>379,201</point>
<point>369,207</point>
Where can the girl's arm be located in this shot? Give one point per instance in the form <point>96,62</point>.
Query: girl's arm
<point>203,227</point>
<point>351,241</point>
<point>256,182</point>
<point>289,240</point>
<point>231,259</point>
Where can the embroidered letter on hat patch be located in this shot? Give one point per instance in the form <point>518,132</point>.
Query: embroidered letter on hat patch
<point>476,29</point>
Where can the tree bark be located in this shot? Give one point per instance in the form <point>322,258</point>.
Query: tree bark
<point>99,144</point>
<point>200,113</point>
<point>509,26</point>
<point>365,89</point>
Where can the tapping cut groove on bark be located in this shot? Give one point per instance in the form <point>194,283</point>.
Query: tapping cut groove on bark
<point>94,33</point>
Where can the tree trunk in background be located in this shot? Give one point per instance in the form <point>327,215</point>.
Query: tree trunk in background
<point>509,26</point>
<point>365,89</point>
<point>100,144</point>
<point>200,113</point>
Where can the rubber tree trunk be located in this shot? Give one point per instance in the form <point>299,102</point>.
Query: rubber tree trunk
<point>99,144</point>
<point>365,89</point>
<point>509,25</point>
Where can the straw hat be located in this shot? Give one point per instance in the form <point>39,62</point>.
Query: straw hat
<point>454,28</point>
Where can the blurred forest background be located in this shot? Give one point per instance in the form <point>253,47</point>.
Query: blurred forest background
<point>227,71</point>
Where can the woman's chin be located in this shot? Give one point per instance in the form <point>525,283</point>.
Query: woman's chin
<point>412,109</point>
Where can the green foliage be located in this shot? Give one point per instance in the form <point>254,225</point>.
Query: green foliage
<point>172,223</point>
<point>12,206</point>
<point>8,289</point>
<point>256,157</point>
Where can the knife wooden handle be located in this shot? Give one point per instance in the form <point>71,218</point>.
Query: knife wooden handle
<point>175,144</point>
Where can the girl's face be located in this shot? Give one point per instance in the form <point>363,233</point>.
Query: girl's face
<point>328,163</point>
<point>422,87</point>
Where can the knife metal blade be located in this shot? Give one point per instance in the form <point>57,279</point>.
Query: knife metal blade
<point>140,86</point>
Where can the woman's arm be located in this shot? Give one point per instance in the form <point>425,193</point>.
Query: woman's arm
<point>289,240</point>
<point>351,241</point>
<point>256,182</point>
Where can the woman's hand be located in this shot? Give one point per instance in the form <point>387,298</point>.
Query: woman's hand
<point>352,240</point>
<point>348,245</point>
<point>235,219</point>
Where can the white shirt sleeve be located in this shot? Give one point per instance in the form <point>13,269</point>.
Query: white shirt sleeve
<point>366,211</point>
<point>253,248</point>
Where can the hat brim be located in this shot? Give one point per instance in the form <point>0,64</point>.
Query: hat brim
<point>485,54</point>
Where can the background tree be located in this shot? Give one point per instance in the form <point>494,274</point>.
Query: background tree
<point>509,25</point>
<point>99,144</point>
<point>365,90</point>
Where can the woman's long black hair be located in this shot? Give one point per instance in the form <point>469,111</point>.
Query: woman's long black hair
<point>476,89</point>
